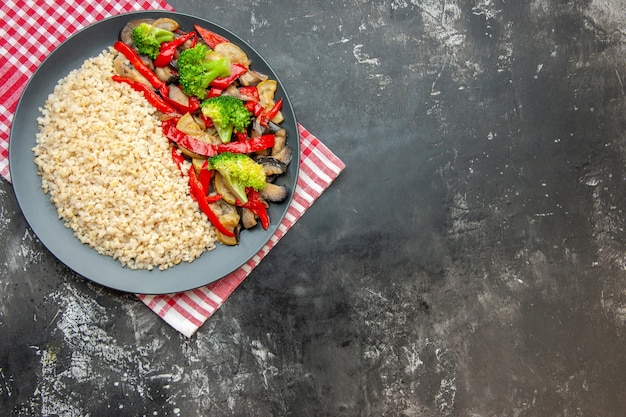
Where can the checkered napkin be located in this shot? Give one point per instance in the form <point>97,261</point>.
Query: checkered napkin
<point>31,29</point>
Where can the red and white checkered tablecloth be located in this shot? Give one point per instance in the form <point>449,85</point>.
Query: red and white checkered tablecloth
<point>31,29</point>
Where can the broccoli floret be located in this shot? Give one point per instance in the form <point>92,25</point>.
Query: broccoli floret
<point>228,114</point>
<point>148,38</point>
<point>198,66</point>
<point>239,172</point>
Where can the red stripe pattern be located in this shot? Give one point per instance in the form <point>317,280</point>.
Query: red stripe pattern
<point>32,29</point>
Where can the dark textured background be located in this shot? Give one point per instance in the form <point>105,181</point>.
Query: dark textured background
<point>470,260</point>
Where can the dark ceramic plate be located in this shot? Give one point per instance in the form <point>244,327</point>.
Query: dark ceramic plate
<point>41,214</point>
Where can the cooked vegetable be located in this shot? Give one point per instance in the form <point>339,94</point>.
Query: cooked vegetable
<point>148,38</point>
<point>233,52</point>
<point>223,189</point>
<point>236,71</point>
<point>126,34</point>
<point>168,50</point>
<point>267,89</point>
<point>211,38</point>
<point>136,61</point>
<point>194,145</point>
<point>248,218</point>
<point>229,218</point>
<point>198,66</point>
<point>153,98</point>
<point>258,207</point>
<point>198,194</point>
<point>239,172</point>
<point>274,192</point>
<point>175,97</point>
<point>270,114</point>
<point>166,74</point>
<point>124,68</point>
<point>228,114</point>
<point>203,149</point>
<point>272,166</point>
<point>256,144</point>
<point>166,23</point>
<point>252,78</point>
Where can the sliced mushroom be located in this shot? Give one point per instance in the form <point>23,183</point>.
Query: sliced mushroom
<point>166,74</point>
<point>248,219</point>
<point>252,78</point>
<point>281,151</point>
<point>188,45</point>
<point>126,34</point>
<point>280,139</point>
<point>123,67</point>
<point>176,94</point>
<point>189,153</point>
<point>271,166</point>
<point>274,192</point>
<point>229,217</point>
<point>284,155</point>
<point>166,23</point>
<point>257,128</point>
<point>273,127</point>
<point>233,91</point>
<point>147,61</point>
<point>233,52</point>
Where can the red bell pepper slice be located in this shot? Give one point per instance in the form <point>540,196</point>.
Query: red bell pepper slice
<point>213,198</point>
<point>192,105</point>
<point>194,145</point>
<point>275,109</point>
<point>246,146</point>
<point>268,115</point>
<point>186,141</point>
<point>257,206</point>
<point>198,193</point>
<point>167,51</point>
<point>178,158</point>
<point>236,70</point>
<point>239,136</point>
<point>153,98</point>
<point>136,61</point>
<point>211,38</point>
<point>214,92</point>
<point>205,177</point>
<point>206,120</point>
<point>250,91</point>
<point>254,108</point>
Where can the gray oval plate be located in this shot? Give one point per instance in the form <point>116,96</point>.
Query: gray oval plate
<point>41,215</point>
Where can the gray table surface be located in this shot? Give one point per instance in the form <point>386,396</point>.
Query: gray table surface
<point>470,260</point>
